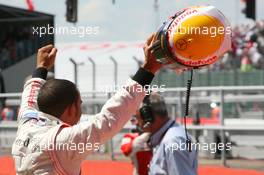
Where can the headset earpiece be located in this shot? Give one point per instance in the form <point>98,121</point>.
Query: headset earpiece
<point>146,112</point>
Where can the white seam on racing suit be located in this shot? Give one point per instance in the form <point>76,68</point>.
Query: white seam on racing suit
<point>35,149</point>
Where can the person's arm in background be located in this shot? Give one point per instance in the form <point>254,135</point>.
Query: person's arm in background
<point>127,143</point>
<point>114,114</point>
<point>140,143</point>
<point>170,161</point>
<point>45,60</point>
<point>158,164</point>
<point>181,162</point>
<point>174,159</point>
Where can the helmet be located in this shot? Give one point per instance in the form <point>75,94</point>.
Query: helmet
<point>194,37</point>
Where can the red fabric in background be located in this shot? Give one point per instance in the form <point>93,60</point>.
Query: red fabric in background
<point>144,158</point>
<point>126,147</point>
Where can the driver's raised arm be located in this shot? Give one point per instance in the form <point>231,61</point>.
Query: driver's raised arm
<point>115,113</point>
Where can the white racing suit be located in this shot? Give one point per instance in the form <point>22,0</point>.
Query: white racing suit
<point>36,149</point>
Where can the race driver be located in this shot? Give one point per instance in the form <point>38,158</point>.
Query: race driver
<point>50,111</point>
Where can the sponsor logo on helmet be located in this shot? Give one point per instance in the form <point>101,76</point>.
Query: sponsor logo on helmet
<point>198,62</point>
<point>180,18</point>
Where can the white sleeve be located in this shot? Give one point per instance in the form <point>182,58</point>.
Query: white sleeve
<point>101,127</point>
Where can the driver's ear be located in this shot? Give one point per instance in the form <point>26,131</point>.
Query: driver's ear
<point>76,104</point>
<point>71,109</point>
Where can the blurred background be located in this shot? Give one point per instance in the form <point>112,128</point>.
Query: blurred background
<point>100,46</point>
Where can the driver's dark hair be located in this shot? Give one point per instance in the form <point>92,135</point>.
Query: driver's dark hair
<point>56,95</point>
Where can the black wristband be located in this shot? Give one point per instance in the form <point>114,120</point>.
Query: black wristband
<point>143,77</point>
<point>40,73</point>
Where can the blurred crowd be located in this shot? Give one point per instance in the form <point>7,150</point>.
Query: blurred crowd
<point>16,43</point>
<point>247,49</point>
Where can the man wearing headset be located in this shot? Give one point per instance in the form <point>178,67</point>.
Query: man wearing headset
<point>171,155</point>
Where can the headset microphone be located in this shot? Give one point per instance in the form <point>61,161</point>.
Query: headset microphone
<point>146,125</point>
